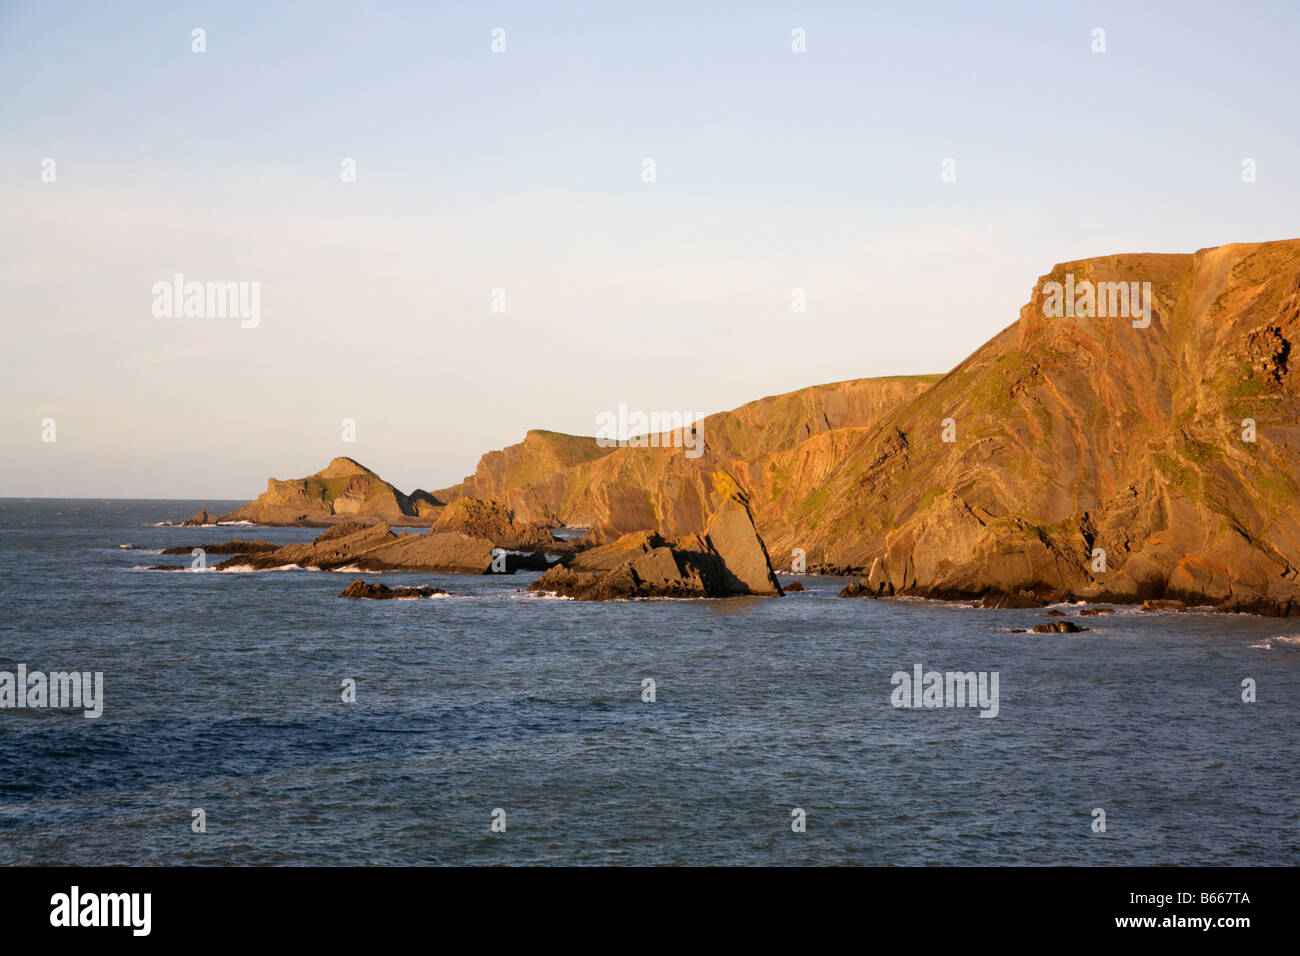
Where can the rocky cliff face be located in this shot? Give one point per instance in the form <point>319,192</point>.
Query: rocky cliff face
<point>631,489</point>
<point>1172,448</point>
<point>345,490</point>
<point>540,455</point>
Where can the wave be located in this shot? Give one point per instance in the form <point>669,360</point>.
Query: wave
<point>1285,640</point>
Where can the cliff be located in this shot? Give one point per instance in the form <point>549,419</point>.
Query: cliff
<point>1174,448</point>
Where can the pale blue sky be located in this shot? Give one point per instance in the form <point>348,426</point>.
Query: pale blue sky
<point>522,171</point>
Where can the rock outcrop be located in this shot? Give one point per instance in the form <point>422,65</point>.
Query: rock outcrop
<point>361,590</point>
<point>201,519</point>
<point>730,535</point>
<point>727,559</point>
<point>226,547</point>
<point>343,491</point>
<point>638,565</point>
<point>379,548</point>
<point>1058,627</point>
<point>488,518</point>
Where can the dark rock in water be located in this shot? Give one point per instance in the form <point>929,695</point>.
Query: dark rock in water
<point>170,567</point>
<point>200,519</point>
<point>360,589</point>
<point>1018,599</point>
<point>1091,611</point>
<point>792,586</point>
<point>856,589</point>
<point>1057,627</point>
<point>532,561</point>
<point>1154,605</point>
<point>1265,606</point>
<point>226,547</point>
<point>1054,613</point>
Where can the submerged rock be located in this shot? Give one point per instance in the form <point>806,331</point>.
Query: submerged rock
<point>201,518</point>
<point>360,589</point>
<point>1012,600</point>
<point>1170,605</point>
<point>1058,627</point>
<point>792,586</point>
<point>856,589</point>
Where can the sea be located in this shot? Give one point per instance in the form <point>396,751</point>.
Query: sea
<point>496,726</point>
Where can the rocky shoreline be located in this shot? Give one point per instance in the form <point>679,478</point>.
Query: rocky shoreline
<point>1169,599</point>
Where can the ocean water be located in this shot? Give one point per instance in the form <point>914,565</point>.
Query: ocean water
<point>223,692</point>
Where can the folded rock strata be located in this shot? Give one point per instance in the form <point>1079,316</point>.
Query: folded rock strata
<point>379,548</point>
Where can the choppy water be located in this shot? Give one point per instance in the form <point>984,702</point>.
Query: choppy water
<point>223,693</point>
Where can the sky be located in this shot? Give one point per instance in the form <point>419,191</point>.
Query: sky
<point>500,261</point>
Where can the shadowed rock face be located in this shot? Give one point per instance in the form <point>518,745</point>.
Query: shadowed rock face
<point>730,535</point>
<point>343,491</point>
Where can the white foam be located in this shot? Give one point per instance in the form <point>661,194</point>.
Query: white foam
<point>1285,640</point>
